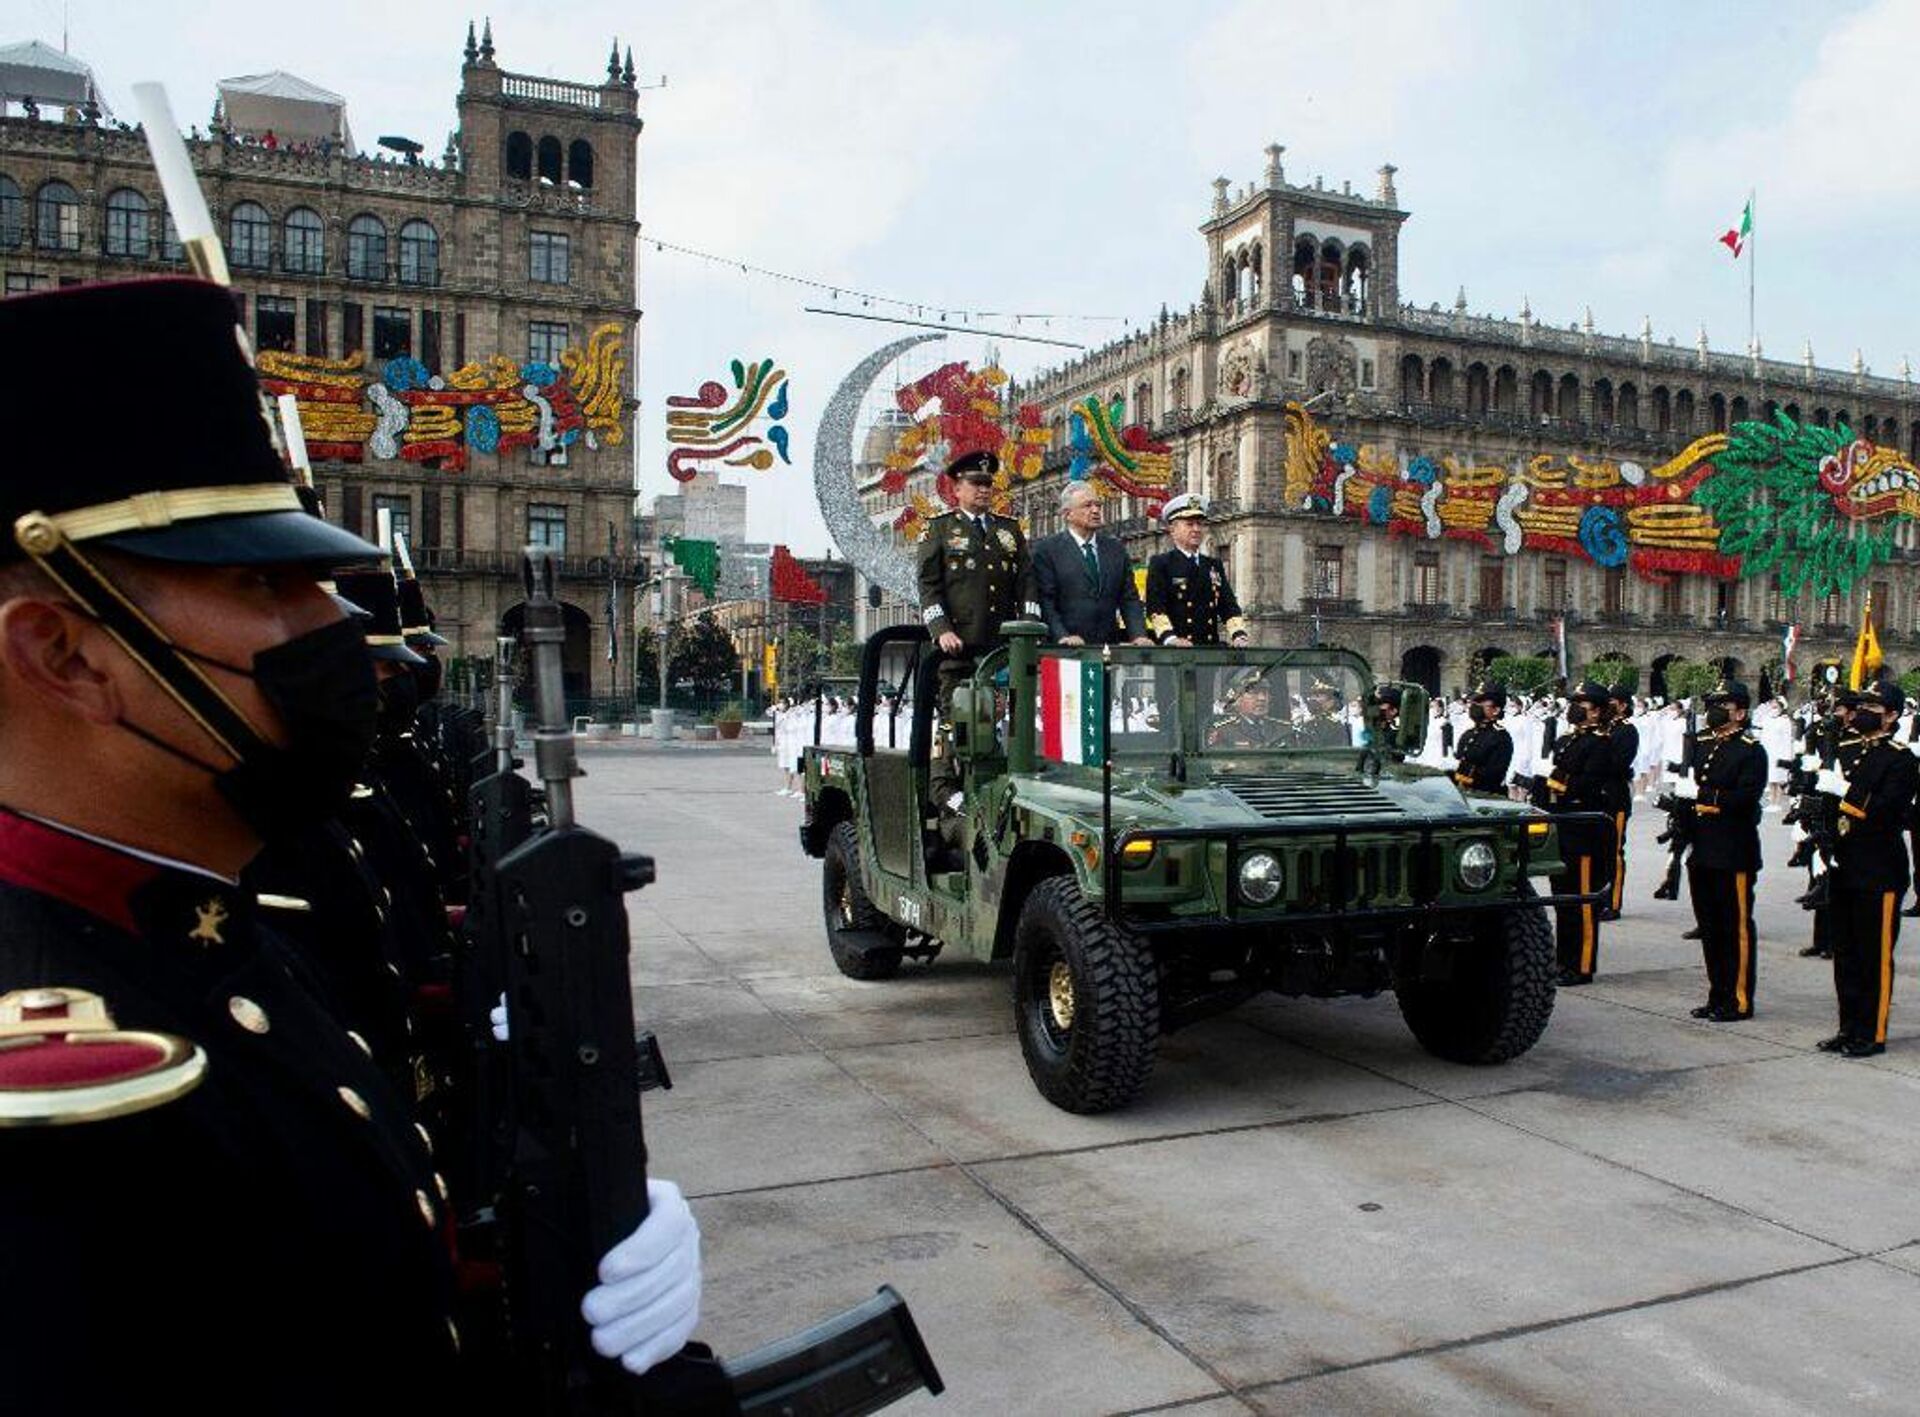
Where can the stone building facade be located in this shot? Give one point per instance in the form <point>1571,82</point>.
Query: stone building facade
<point>1301,302</point>
<point>514,248</point>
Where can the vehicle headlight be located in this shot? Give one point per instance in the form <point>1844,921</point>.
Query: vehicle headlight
<point>1478,863</point>
<point>1260,877</point>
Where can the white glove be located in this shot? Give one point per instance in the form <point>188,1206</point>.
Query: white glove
<point>1809,762</point>
<point>1831,781</point>
<point>1687,790</point>
<point>648,1300</point>
<point>497,1016</point>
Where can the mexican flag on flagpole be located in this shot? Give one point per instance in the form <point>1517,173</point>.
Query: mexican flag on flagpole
<point>1736,238</point>
<point>1071,730</point>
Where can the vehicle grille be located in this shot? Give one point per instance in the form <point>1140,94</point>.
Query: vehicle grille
<point>1375,874</point>
<point>1283,796</point>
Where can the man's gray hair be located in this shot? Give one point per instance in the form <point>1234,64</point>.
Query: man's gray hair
<point>1069,491</point>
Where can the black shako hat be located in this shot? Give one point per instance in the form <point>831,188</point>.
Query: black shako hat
<point>1589,691</point>
<point>416,621</point>
<point>373,589</point>
<point>1730,691</point>
<point>1491,692</point>
<point>1883,694</point>
<point>196,479</point>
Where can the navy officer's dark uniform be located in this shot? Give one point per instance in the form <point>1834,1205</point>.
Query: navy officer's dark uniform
<point>1188,594</point>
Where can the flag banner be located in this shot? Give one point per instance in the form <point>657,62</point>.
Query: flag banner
<point>1560,644</point>
<point>699,559</point>
<point>1867,658</point>
<point>1736,237</point>
<point>1070,726</point>
<point>790,582</point>
<point>1789,642</point>
<point>770,667</point>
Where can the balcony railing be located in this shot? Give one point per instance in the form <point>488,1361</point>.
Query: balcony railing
<point>1428,610</point>
<point>1326,605</point>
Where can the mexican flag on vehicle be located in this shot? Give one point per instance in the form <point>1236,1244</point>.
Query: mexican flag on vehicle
<point>1072,729</point>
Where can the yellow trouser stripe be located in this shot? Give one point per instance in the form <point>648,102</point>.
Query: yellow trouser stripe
<point>1586,916</point>
<point>1887,902</point>
<point>1741,988</point>
<point>1619,855</point>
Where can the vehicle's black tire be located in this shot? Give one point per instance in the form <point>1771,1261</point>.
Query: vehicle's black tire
<point>1101,1055</point>
<point>862,940</point>
<point>1500,996</point>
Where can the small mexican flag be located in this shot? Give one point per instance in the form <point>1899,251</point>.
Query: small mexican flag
<point>1071,730</point>
<point>1736,239</point>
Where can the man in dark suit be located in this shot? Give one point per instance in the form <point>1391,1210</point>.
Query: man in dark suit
<point>1087,594</point>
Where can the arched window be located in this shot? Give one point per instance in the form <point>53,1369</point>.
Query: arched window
<point>1627,406</point>
<point>1662,409</point>
<point>1256,264</point>
<point>56,221</point>
<point>1602,402</point>
<point>1540,394</point>
<point>367,248</point>
<point>419,254</point>
<point>129,224</point>
<point>1440,382</point>
<point>1821,417</point>
<point>580,163</point>
<point>549,155</point>
<point>1413,379</point>
<point>13,214</point>
<point>1180,388</point>
<point>1842,419</point>
<point>304,242</point>
<point>1793,412</point>
<point>1479,395</point>
<point>1737,411</point>
<point>1143,403</point>
<point>1332,254</point>
<point>1568,403</point>
<point>250,237</point>
<point>1358,280</point>
<point>1717,412</point>
<point>1506,390</point>
<point>1683,411</point>
<point>519,156</point>
<point>1302,281</point>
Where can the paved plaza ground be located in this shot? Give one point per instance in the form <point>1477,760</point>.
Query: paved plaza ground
<point>1304,1212</point>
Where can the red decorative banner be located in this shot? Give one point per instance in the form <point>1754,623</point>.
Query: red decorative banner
<point>791,583</point>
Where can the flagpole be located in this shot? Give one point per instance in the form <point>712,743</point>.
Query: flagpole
<point>1752,261</point>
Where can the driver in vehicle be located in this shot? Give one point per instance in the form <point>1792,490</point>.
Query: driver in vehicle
<point>1324,725</point>
<point>1248,724</point>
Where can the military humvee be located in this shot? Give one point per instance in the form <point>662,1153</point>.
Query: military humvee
<point>1144,865</point>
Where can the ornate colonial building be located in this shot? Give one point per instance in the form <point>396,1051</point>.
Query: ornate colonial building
<point>1460,480</point>
<point>457,332</point>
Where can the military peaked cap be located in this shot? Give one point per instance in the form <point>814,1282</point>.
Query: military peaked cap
<point>1187,504</point>
<point>974,467</point>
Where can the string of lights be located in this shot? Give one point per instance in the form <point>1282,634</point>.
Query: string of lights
<point>867,298</point>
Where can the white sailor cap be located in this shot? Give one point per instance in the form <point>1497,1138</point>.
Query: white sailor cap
<point>1187,504</point>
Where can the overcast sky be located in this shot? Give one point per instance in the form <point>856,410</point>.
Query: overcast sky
<point>1004,155</point>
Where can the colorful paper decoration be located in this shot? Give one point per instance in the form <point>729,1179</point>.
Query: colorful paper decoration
<point>791,583</point>
<point>699,559</point>
<point>414,415</point>
<point>971,417</point>
<point>1814,506</point>
<point>713,424</point>
<point>1116,458</point>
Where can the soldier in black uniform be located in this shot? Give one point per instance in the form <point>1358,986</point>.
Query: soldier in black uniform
<point>974,577</point>
<point>1578,782</point>
<point>1834,728</point>
<point>1249,725</point>
<point>1871,873</point>
<point>1623,745</point>
<point>226,1206</point>
<point>1729,780</point>
<point>1189,601</point>
<point>1485,751</point>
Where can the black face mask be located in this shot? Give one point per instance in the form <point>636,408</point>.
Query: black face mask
<point>1718,715</point>
<point>399,701</point>
<point>1576,713</point>
<point>321,685</point>
<point>426,677</point>
<point>1867,721</point>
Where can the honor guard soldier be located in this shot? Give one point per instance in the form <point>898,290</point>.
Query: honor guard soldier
<point>210,1197</point>
<point>1485,751</point>
<point>1728,783</point>
<point>1870,871</point>
<point>1249,725</point>
<point>1623,747</point>
<point>1189,601</point>
<point>975,576</point>
<point>1578,781</point>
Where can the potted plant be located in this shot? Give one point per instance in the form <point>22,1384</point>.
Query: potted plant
<point>727,720</point>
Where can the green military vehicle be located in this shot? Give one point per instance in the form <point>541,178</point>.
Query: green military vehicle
<point>1151,844</point>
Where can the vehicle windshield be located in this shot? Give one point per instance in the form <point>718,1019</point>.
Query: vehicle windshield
<point>1279,706</point>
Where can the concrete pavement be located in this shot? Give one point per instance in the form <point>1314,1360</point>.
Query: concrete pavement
<point>1304,1212</point>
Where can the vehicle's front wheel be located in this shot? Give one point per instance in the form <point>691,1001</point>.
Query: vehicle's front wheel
<point>1086,1001</point>
<point>862,939</point>
<point>1496,999</point>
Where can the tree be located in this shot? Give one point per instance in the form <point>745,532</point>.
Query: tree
<point>1689,679</point>
<point>1526,673</point>
<point>646,660</point>
<point>1614,671</point>
<point>703,654</point>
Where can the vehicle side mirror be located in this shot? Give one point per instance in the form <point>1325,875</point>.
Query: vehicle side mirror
<point>972,717</point>
<point>1409,734</point>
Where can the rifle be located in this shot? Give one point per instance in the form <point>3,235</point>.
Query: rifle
<point>576,1183</point>
<point>1678,836</point>
<point>1814,815</point>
